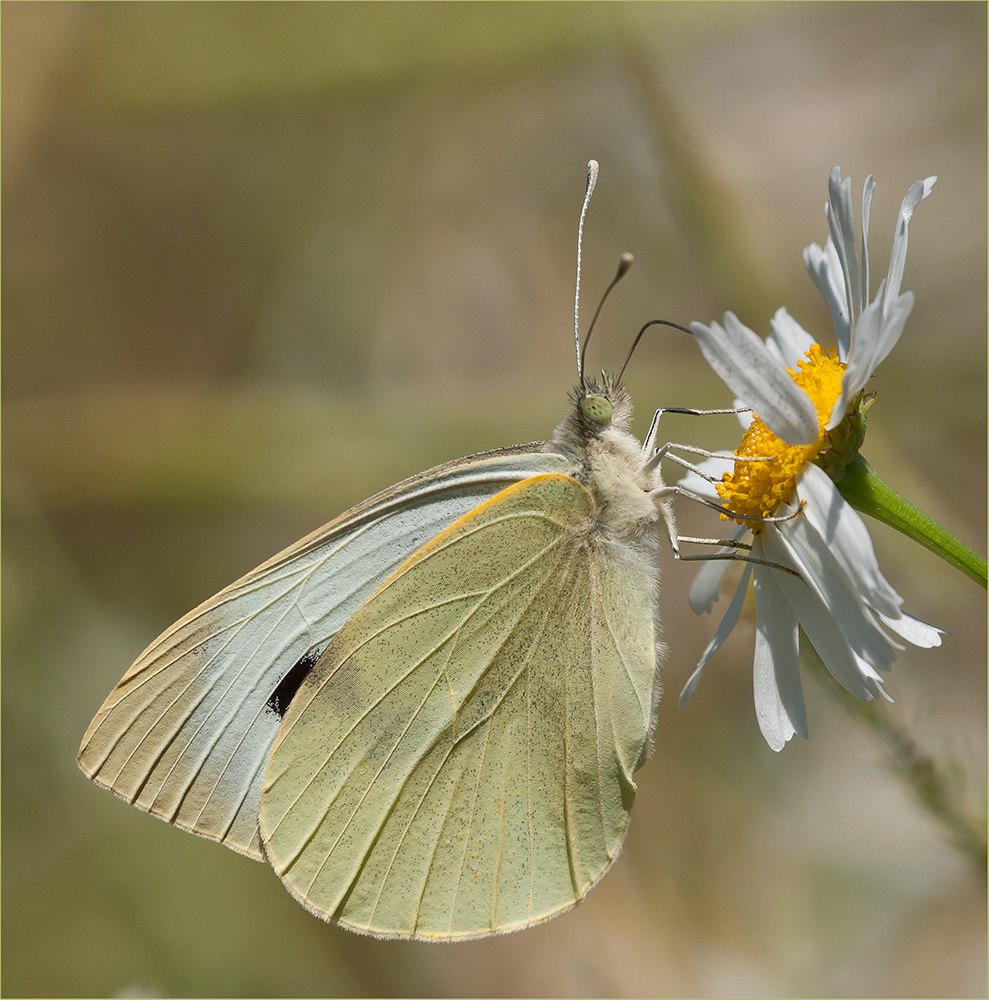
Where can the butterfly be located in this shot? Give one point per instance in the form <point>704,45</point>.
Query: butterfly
<point>427,714</point>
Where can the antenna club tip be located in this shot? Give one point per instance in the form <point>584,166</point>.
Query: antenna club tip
<point>592,176</point>
<point>624,263</point>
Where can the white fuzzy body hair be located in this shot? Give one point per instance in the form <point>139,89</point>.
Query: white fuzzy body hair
<point>608,460</point>
<point>630,518</point>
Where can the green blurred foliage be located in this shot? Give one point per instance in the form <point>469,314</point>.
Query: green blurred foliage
<point>261,260</point>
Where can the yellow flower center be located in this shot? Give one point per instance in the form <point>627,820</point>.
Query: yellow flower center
<point>757,488</point>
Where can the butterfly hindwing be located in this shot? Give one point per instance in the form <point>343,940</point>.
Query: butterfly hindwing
<point>460,760</point>
<point>187,733</point>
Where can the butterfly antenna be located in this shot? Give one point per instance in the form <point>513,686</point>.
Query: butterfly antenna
<point>626,261</point>
<point>592,179</point>
<point>638,337</point>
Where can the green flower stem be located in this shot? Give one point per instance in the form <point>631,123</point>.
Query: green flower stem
<point>865,491</point>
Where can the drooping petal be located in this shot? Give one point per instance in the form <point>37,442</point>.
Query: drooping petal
<point>852,672</point>
<point>824,267</point>
<point>849,670</point>
<point>918,191</point>
<point>741,360</point>
<point>779,696</point>
<point>728,622</point>
<point>789,341</point>
<point>704,590</point>
<point>690,688</point>
<point>846,536</point>
<point>794,543</point>
<point>914,630</point>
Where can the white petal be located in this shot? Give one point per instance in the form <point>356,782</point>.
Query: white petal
<point>825,269</point>
<point>876,334</point>
<point>746,417</point>
<point>704,590</point>
<point>914,630</point>
<point>919,190</point>
<point>779,697</point>
<point>865,336</point>
<point>849,670</point>
<point>728,622</point>
<point>741,360</point>
<point>690,688</point>
<point>867,189</point>
<point>841,218</point>
<point>895,315</point>
<point>789,342</point>
<point>795,543</point>
<point>847,538</point>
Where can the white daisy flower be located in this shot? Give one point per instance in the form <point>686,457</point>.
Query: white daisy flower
<point>810,417</point>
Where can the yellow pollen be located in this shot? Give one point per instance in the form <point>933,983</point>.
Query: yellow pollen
<point>756,489</point>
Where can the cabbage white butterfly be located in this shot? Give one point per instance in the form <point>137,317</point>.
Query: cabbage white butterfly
<point>425,715</point>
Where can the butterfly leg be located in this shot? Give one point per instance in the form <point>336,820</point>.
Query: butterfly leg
<point>653,435</point>
<point>661,498</point>
<point>669,450</point>
<point>728,551</point>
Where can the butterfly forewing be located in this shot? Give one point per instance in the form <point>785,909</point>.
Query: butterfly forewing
<point>460,760</point>
<point>187,733</point>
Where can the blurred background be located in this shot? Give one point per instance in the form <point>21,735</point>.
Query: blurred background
<point>263,260</point>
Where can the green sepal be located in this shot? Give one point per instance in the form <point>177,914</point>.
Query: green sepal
<point>842,443</point>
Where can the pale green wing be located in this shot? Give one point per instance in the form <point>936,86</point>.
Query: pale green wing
<point>187,733</point>
<point>459,762</point>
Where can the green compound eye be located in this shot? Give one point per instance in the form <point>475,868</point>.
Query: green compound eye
<point>597,409</point>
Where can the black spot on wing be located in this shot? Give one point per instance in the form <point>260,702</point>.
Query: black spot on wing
<point>289,685</point>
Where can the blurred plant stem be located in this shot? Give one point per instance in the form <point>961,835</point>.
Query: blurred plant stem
<point>942,786</point>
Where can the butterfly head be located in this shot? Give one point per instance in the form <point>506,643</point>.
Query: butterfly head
<point>601,405</point>
<point>598,410</point>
